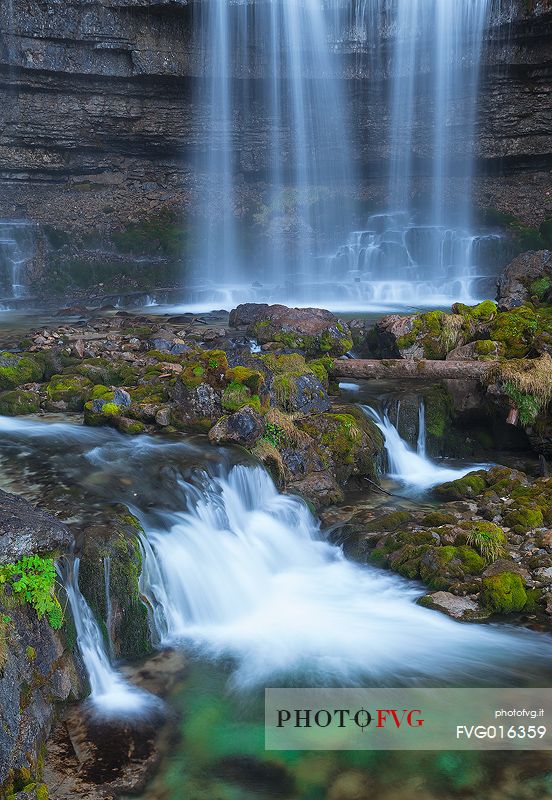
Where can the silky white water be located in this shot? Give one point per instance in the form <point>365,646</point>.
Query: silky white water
<point>244,573</point>
<point>412,468</point>
<point>275,87</point>
<point>234,570</point>
<point>110,694</point>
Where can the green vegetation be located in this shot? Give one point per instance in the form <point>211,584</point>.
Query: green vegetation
<point>32,580</point>
<point>237,395</point>
<point>524,518</point>
<point>389,522</point>
<point>527,382</point>
<point>274,434</point>
<point>483,312</point>
<point>527,405</point>
<point>516,330</point>
<point>488,539</point>
<point>504,593</point>
<point>525,237</point>
<point>470,485</point>
<point>16,369</point>
<point>74,390</point>
<point>435,332</point>
<point>541,287</point>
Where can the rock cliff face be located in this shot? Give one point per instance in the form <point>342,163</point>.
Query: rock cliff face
<point>100,124</point>
<point>38,670</point>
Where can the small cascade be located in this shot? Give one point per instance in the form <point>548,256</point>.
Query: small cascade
<point>399,262</point>
<point>243,573</point>
<point>421,443</point>
<point>409,467</point>
<point>110,694</point>
<point>236,571</point>
<point>17,249</point>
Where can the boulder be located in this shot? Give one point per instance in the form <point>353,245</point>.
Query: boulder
<point>196,408</point>
<point>111,564</point>
<point>245,427</point>
<point>320,489</point>
<point>315,331</point>
<point>246,314</point>
<point>415,336</point>
<point>300,393</point>
<point>482,350</point>
<point>528,275</point>
<point>27,530</point>
<point>455,607</point>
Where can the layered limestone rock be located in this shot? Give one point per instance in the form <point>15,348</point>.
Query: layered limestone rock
<point>101,125</point>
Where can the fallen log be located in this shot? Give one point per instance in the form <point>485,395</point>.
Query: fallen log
<point>407,368</point>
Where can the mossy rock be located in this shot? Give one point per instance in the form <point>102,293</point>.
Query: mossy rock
<point>74,390</point>
<point>482,312</point>
<point>18,369</point>
<point>209,366</point>
<point>435,519</point>
<point>389,522</point>
<point>312,331</point>
<point>348,443</point>
<point>131,427</point>
<point>322,368</point>
<point>101,371</point>
<point>100,392</point>
<point>504,593</point>
<point>524,518</point>
<point>116,545</point>
<point>488,349</point>
<point>253,379</point>
<point>435,333</point>
<point>487,538</point>
<point>294,386</point>
<point>516,330</point>
<point>155,391</point>
<point>440,567</point>
<point>18,402</point>
<point>439,410</point>
<point>238,395</point>
<point>464,488</point>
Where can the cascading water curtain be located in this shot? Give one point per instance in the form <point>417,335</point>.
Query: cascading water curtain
<point>272,99</point>
<point>277,175</point>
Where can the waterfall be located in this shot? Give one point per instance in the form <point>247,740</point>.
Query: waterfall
<point>413,469</point>
<point>421,443</point>
<point>274,90</point>
<point>242,572</point>
<point>275,59</point>
<point>17,248</point>
<point>109,693</point>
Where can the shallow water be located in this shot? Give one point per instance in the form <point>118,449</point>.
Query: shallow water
<point>242,578</point>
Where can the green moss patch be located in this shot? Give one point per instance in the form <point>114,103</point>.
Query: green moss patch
<point>237,395</point>
<point>469,486</point>
<point>19,402</point>
<point>504,593</point>
<point>16,369</point>
<point>71,389</point>
<point>516,330</point>
<point>524,518</point>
